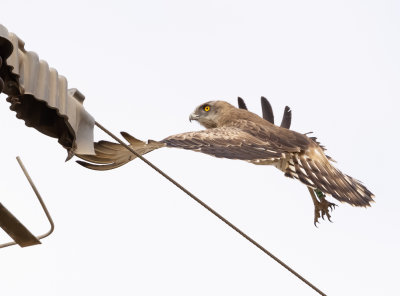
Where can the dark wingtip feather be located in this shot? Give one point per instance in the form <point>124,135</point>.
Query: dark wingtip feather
<point>267,110</point>
<point>125,134</point>
<point>131,139</point>
<point>287,118</point>
<point>70,155</point>
<point>241,104</point>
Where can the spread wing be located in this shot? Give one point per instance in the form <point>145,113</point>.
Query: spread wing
<point>245,141</point>
<point>302,157</point>
<point>226,142</point>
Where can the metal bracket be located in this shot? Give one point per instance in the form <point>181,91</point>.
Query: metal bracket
<point>15,229</point>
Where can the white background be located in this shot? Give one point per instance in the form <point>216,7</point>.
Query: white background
<point>143,67</point>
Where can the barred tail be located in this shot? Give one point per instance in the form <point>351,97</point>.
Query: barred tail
<point>318,173</point>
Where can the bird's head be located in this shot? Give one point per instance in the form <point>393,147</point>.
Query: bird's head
<point>211,113</point>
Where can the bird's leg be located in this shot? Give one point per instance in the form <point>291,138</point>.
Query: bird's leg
<point>321,205</point>
<point>317,215</point>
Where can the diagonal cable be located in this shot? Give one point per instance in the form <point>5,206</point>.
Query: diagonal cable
<point>210,209</point>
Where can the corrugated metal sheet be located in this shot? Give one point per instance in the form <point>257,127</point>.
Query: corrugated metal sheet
<point>44,101</point>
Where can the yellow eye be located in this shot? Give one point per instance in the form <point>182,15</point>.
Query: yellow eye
<point>207,108</point>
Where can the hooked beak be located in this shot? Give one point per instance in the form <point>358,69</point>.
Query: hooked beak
<point>193,116</point>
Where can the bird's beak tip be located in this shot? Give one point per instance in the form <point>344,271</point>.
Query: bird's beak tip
<point>193,116</point>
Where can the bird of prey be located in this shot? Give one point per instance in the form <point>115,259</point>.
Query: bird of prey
<point>236,133</point>
<point>318,198</point>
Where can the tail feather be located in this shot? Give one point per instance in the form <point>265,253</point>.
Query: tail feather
<point>319,173</point>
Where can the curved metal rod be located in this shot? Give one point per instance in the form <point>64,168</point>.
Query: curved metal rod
<point>7,244</point>
<point>46,211</point>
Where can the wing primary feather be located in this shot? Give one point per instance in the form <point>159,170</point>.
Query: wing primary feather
<point>267,110</point>
<point>287,118</point>
<point>241,104</point>
<point>132,140</point>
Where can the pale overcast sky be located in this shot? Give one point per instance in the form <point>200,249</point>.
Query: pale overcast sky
<point>143,67</point>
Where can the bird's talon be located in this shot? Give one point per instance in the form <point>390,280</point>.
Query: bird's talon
<point>322,208</point>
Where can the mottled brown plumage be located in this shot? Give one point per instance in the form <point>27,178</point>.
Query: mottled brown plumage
<point>239,134</point>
